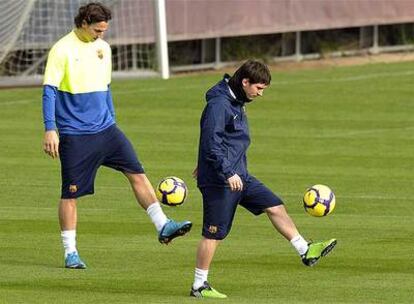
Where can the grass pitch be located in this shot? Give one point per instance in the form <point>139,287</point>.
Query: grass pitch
<point>350,128</point>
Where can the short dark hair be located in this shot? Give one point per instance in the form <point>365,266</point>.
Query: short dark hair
<point>255,71</point>
<point>92,13</point>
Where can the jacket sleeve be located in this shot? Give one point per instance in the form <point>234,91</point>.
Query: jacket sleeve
<point>213,126</point>
<point>48,106</point>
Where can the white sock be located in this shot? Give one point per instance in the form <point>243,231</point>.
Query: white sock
<point>69,241</point>
<point>157,215</point>
<point>200,276</point>
<point>300,244</point>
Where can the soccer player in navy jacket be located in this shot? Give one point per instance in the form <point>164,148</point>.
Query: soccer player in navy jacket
<point>224,180</point>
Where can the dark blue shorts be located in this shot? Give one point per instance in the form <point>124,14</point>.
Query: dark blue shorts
<point>220,203</point>
<point>82,155</point>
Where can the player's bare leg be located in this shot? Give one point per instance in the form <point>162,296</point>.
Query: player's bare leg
<point>205,252</point>
<point>68,216</point>
<point>143,190</point>
<point>282,221</point>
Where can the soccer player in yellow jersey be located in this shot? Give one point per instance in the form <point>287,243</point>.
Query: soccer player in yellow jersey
<point>80,127</point>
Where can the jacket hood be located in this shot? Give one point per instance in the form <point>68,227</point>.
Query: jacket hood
<point>222,89</point>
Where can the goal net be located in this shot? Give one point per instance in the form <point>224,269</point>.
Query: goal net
<point>28,28</point>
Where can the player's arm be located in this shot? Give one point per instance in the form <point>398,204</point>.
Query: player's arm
<point>54,73</point>
<point>51,138</point>
<point>213,130</point>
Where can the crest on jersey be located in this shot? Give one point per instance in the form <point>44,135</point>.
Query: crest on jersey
<point>99,53</point>
<point>73,188</point>
<point>212,229</point>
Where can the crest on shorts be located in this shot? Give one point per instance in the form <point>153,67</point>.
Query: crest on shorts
<point>73,188</point>
<point>99,53</point>
<point>212,229</point>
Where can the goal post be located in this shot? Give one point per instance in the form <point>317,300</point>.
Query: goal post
<point>28,29</point>
<point>161,38</point>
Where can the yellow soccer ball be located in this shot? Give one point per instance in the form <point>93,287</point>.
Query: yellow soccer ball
<point>171,191</point>
<point>319,200</point>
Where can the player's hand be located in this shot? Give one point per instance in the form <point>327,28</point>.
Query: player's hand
<point>235,183</point>
<point>51,143</point>
<point>195,172</point>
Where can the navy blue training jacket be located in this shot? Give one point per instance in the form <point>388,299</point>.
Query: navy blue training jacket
<point>224,137</point>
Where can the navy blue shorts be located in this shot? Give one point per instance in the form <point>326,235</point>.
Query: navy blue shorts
<point>82,155</point>
<point>220,203</point>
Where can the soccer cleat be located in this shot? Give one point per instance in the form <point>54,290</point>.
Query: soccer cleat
<point>206,291</point>
<point>316,251</point>
<point>173,229</point>
<point>73,261</point>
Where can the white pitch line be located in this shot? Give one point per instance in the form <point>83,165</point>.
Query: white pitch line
<point>320,80</point>
<point>346,79</point>
<point>55,207</point>
<point>46,185</point>
<point>289,194</point>
<point>17,102</point>
<point>363,197</point>
<point>363,132</point>
<point>276,83</point>
<point>123,92</point>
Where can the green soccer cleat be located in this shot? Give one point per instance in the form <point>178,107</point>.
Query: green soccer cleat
<point>206,291</point>
<point>173,229</point>
<point>316,251</point>
<point>73,261</point>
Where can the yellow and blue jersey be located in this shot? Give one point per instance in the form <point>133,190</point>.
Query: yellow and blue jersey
<point>76,87</point>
